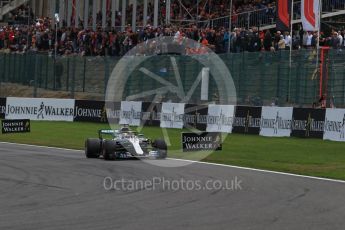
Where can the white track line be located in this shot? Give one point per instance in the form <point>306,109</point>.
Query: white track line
<point>204,163</point>
<point>262,170</point>
<point>39,146</point>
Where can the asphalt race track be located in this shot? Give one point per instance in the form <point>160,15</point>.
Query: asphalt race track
<point>45,188</point>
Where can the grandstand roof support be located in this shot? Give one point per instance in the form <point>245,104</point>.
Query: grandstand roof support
<point>134,15</point>
<point>52,10</point>
<point>77,13</point>
<point>167,11</point>
<point>104,13</point>
<point>40,8</point>
<point>197,11</point>
<point>32,5</point>
<point>81,10</point>
<point>86,14</point>
<point>69,12</point>
<point>117,5</point>
<point>113,12</point>
<point>155,14</point>
<point>94,14</point>
<point>145,13</point>
<point>62,11</point>
<point>123,15</point>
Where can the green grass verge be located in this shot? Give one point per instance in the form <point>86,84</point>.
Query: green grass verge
<point>301,156</point>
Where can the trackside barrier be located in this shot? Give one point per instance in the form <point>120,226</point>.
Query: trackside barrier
<point>260,78</point>
<point>327,124</point>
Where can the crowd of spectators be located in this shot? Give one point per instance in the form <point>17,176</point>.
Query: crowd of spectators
<point>41,38</point>
<point>252,40</point>
<point>40,35</point>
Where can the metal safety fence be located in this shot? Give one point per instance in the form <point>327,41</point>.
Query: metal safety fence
<point>266,16</point>
<point>262,78</point>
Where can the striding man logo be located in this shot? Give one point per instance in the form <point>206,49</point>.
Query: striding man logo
<point>221,115</point>
<point>246,128</point>
<point>308,125</point>
<point>132,115</point>
<point>104,114</point>
<point>276,124</point>
<point>342,129</point>
<point>27,126</point>
<point>40,111</point>
<point>173,114</point>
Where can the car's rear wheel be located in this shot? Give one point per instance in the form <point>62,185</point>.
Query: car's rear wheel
<point>161,147</point>
<point>92,148</point>
<point>109,149</point>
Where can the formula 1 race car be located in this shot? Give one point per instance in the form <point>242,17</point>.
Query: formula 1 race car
<point>124,143</point>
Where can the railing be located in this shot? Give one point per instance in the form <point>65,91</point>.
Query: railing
<point>267,16</point>
<point>11,5</point>
<point>260,78</point>
<point>333,5</point>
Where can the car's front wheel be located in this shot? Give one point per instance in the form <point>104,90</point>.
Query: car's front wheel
<point>92,148</point>
<point>161,147</point>
<point>109,149</point>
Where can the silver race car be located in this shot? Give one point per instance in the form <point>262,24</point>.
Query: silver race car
<point>124,143</point>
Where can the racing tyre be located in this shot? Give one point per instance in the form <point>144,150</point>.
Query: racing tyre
<point>109,148</point>
<point>161,147</point>
<point>92,148</point>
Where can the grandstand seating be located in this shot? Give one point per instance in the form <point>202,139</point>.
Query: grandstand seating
<point>7,6</point>
<point>251,14</point>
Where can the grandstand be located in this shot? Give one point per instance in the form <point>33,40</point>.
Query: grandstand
<point>139,13</point>
<point>82,32</point>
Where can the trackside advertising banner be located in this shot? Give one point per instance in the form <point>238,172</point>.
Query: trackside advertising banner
<point>335,125</point>
<point>201,141</point>
<point>195,116</point>
<point>247,120</point>
<point>276,121</point>
<point>2,108</point>
<point>130,113</point>
<point>172,115</point>
<point>91,111</point>
<point>15,126</point>
<point>308,122</point>
<point>151,114</point>
<point>113,112</point>
<point>40,109</point>
<point>220,118</point>
<point>328,124</point>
